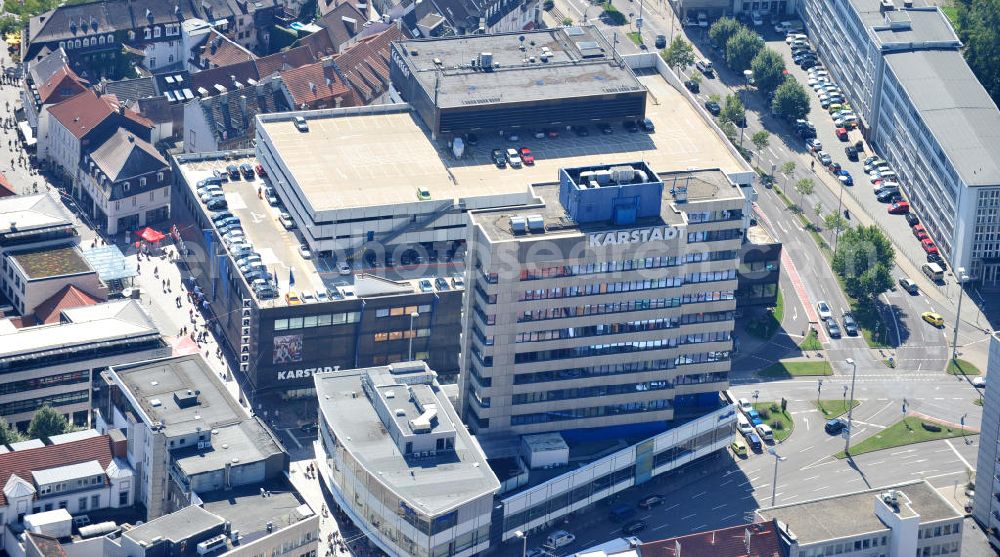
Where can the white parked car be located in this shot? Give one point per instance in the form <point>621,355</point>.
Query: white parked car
<point>792,37</point>
<point>824,310</point>
<point>743,424</point>
<point>765,432</point>
<point>744,405</point>
<point>343,268</point>
<point>513,158</point>
<point>304,252</point>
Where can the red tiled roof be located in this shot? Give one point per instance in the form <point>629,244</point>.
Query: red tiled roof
<point>138,118</point>
<point>315,84</point>
<point>62,85</point>
<point>24,462</point>
<point>285,60</point>
<point>70,296</point>
<point>82,113</point>
<point>220,51</point>
<point>365,64</point>
<point>725,542</point>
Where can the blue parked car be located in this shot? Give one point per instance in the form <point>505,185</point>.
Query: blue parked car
<point>754,418</point>
<point>845,177</point>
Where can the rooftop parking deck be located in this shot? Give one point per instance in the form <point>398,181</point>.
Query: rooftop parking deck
<point>379,159</point>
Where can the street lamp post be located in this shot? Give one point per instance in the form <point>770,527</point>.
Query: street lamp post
<point>413,316</point>
<point>774,484</point>
<point>961,277</point>
<point>524,542</point>
<point>850,407</point>
<point>819,391</point>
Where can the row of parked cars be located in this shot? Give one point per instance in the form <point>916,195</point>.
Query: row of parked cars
<point>834,329</point>
<point>248,260</point>
<point>752,427</point>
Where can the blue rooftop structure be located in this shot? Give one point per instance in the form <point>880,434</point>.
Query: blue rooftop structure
<point>618,194</point>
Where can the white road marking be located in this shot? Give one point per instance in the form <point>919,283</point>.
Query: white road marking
<point>902,452</point>
<point>807,448</point>
<point>718,507</point>
<point>689,516</point>
<point>945,474</point>
<point>959,455</point>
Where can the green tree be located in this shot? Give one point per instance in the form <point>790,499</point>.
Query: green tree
<point>818,209</point>
<point>864,260</point>
<point>788,168</point>
<point>741,49</point>
<point>715,98</point>
<point>790,100</point>
<point>679,54</point>
<point>48,422</point>
<point>979,30</point>
<point>696,78</point>
<point>612,16</point>
<point>8,433</point>
<point>768,70</point>
<point>760,140</point>
<point>722,29</point>
<point>833,221</point>
<point>729,129</point>
<point>733,111</point>
<point>804,187</point>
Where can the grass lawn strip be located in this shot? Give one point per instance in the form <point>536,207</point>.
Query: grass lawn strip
<point>834,407</point>
<point>811,342</point>
<point>797,369</point>
<point>962,367</point>
<point>907,431</point>
<point>781,422</point>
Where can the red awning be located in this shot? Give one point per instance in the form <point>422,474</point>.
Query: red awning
<point>150,235</point>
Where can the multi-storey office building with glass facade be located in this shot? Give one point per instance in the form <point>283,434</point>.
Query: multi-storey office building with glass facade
<point>609,303</point>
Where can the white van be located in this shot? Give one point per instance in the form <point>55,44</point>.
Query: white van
<point>743,424</point>
<point>559,538</point>
<point>933,271</point>
<point>765,433</point>
<point>744,405</point>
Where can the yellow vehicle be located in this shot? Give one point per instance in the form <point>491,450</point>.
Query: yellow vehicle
<point>739,448</point>
<point>292,298</point>
<point>835,107</point>
<point>933,318</point>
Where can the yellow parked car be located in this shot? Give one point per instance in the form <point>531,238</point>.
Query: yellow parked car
<point>739,448</point>
<point>933,318</point>
<point>292,298</point>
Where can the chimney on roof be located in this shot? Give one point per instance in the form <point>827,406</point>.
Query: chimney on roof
<point>329,83</point>
<point>243,106</point>
<point>312,87</point>
<point>131,138</point>
<point>232,79</point>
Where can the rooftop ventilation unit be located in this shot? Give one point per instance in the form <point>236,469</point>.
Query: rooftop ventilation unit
<point>536,223</point>
<point>518,225</point>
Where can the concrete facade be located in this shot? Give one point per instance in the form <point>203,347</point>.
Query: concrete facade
<point>986,505</point>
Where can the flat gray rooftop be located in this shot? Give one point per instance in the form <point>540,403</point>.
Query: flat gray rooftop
<point>580,62</point>
<point>432,484</point>
<point>854,514</point>
<point>241,443</point>
<point>375,160</point>
<point>35,213</point>
<point>703,186</point>
<point>956,109</point>
<point>250,513</point>
<point>926,25</point>
<point>155,384</point>
<point>176,526</point>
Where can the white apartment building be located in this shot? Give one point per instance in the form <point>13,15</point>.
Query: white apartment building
<point>986,505</point>
<point>905,520</point>
<point>925,112</point>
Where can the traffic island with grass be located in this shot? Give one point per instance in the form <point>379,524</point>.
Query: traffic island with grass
<point>811,342</point>
<point>834,408</point>
<point>780,421</point>
<point>962,367</point>
<point>907,431</point>
<point>784,370</point>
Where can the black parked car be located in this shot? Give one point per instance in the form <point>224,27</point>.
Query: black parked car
<point>692,86</point>
<point>499,158</point>
<point>911,219</point>
<point>247,171</point>
<point>630,126</point>
<point>661,42</point>
<point>713,108</point>
<point>605,128</point>
<point>234,172</point>
<point>851,152</point>
<point>850,325</point>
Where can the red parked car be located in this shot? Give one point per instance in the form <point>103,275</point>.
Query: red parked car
<point>928,245</point>
<point>841,134</point>
<point>899,208</point>
<point>260,170</point>
<point>919,232</point>
<point>526,156</point>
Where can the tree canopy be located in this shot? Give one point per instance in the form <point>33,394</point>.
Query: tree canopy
<point>864,260</point>
<point>733,111</point>
<point>790,100</point>
<point>678,54</point>
<point>741,49</point>
<point>979,29</point>
<point>48,422</point>
<point>768,70</point>
<point>722,29</point>
<point>8,433</point>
